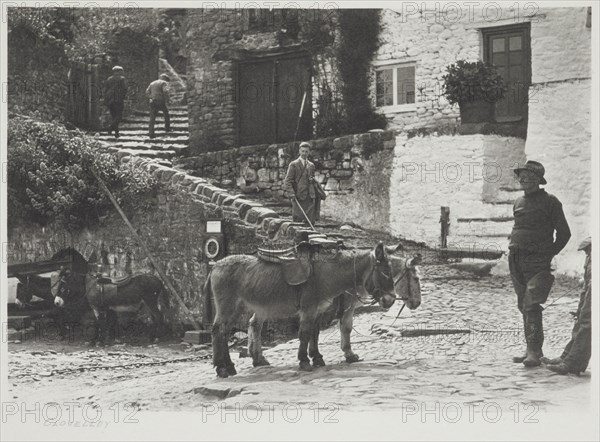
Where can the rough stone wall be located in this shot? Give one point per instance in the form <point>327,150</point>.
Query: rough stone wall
<point>211,80</point>
<point>37,76</point>
<point>368,204</point>
<point>559,132</point>
<point>262,168</point>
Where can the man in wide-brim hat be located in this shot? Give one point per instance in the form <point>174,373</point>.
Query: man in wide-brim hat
<point>538,216</point>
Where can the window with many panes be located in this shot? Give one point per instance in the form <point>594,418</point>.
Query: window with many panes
<point>395,85</point>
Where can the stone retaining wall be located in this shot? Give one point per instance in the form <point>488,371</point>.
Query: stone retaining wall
<point>262,168</point>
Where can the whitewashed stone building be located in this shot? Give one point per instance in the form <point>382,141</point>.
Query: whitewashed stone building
<point>545,55</point>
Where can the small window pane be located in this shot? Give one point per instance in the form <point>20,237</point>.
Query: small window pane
<point>384,88</point>
<point>498,44</point>
<point>406,85</point>
<point>514,43</point>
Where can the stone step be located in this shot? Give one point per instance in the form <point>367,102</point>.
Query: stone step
<point>156,147</point>
<point>145,120</point>
<point>160,139</point>
<point>504,196</point>
<point>482,228</point>
<point>482,219</point>
<point>143,133</point>
<point>491,243</point>
<point>165,154</point>
<point>485,211</point>
<point>143,128</point>
<point>172,111</point>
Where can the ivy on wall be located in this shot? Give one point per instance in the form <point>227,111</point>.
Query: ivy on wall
<point>359,35</point>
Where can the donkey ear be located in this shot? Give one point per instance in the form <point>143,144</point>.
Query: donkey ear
<point>393,249</point>
<point>414,261</point>
<point>380,252</point>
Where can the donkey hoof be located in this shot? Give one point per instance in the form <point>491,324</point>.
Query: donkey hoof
<point>318,362</point>
<point>305,366</point>
<point>231,370</point>
<point>352,358</point>
<point>261,363</point>
<point>222,372</point>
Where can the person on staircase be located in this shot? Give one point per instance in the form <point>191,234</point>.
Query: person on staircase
<point>538,215</point>
<point>577,353</point>
<point>158,93</point>
<point>115,90</point>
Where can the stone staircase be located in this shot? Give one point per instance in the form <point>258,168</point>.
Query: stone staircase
<point>490,228</point>
<point>134,139</point>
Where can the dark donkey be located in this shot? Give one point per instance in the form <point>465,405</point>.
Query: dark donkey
<point>240,280</point>
<point>107,297</point>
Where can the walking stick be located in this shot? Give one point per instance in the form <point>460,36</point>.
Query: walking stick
<point>300,116</point>
<point>303,213</point>
<point>295,136</point>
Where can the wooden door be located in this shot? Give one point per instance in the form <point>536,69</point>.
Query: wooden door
<point>293,87</point>
<point>508,49</point>
<point>270,94</point>
<point>256,104</point>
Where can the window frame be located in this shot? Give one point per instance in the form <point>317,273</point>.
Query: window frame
<point>380,65</point>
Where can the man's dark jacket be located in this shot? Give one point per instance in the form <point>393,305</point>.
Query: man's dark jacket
<point>115,89</point>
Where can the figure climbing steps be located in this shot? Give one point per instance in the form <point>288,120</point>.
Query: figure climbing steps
<point>134,138</point>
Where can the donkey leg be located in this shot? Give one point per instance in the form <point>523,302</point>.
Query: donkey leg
<point>254,341</point>
<point>345,329</point>
<point>220,332</point>
<point>307,324</point>
<point>313,347</point>
<point>229,325</point>
<point>157,317</point>
<point>102,327</point>
<point>219,346</point>
<point>111,326</point>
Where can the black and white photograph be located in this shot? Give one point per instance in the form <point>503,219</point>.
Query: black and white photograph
<point>299,220</point>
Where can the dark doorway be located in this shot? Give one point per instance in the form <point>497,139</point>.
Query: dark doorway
<point>508,49</point>
<point>270,94</point>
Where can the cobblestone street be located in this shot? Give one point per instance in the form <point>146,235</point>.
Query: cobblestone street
<point>396,370</point>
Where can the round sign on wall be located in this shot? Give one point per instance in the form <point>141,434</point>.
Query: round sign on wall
<point>212,248</point>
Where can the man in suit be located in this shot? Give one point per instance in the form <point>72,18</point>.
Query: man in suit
<point>115,90</point>
<point>158,93</point>
<point>299,184</point>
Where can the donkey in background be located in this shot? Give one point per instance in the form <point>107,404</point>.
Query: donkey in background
<point>106,298</point>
